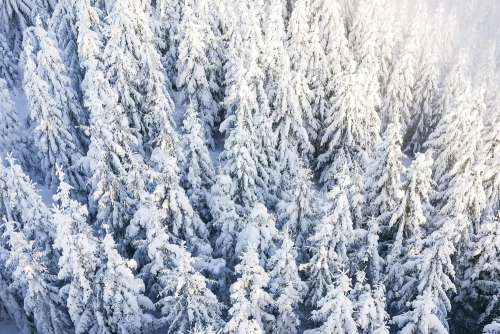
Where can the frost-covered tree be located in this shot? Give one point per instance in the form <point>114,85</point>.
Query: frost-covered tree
<point>433,274</point>
<point>55,113</point>
<point>335,311</point>
<point>455,142</point>
<point>286,286</point>
<point>240,156</point>
<point>36,284</point>
<point>351,130</point>
<point>168,14</point>
<point>122,303</point>
<point>369,306</point>
<point>259,232</point>
<point>409,224</point>
<point>422,317</point>
<point>330,242</point>
<point>134,71</point>
<point>491,154</point>
<point>426,100</point>
<point>186,302</point>
<point>383,185</point>
<point>177,214</point>
<point>480,285</point>
<point>116,169</point>
<point>197,170</point>
<point>194,66</point>
<point>399,100</point>
<point>302,50</point>
<point>249,299</point>
<point>226,219</point>
<point>79,258</point>
<point>297,211</point>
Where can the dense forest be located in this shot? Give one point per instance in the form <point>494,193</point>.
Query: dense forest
<point>249,166</point>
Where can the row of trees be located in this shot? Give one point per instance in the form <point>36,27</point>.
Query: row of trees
<point>245,167</point>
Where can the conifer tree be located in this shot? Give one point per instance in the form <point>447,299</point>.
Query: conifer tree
<point>122,303</point>
<point>134,71</point>
<point>55,113</point>
<point>186,302</point>
<point>249,299</point>
<point>198,171</point>
<point>36,284</point>
<point>116,168</point>
<point>226,219</point>
<point>330,241</point>
<point>63,23</point>
<point>409,222</point>
<point>369,306</point>
<point>79,258</point>
<point>193,67</point>
<point>335,310</point>
<point>286,286</point>
<point>296,211</point>
<point>259,232</point>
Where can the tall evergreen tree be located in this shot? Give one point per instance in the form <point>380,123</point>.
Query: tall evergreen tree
<point>55,113</point>
<point>134,71</point>
<point>197,170</point>
<point>194,66</point>
<point>249,299</point>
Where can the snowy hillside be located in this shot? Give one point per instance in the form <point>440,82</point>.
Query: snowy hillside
<point>249,166</point>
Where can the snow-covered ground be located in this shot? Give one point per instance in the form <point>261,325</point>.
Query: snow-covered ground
<point>8,327</point>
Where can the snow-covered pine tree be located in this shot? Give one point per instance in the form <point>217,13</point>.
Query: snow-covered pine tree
<point>351,131</point>
<point>116,168</point>
<point>122,304</point>
<point>433,274</point>
<point>422,318</point>
<point>383,185</point>
<point>427,98</point>
<point>491,152</point>
<point>63,23</point>
<point>302,52</point>
<point>197,169</point>
<point>168,14</point>
<point>17,15</point>
<point>259,232</point>
<point>79,258</point>
<point>362,38</point>
<point>226,220</point>
<point>455,143</point>
<point>249,299</point>
<point>21,203</point>
<point>335,311</point>
<point>194,66</point>
<point>176,212</point>
<point>409,223</point>
<point>480,286</point>
<point>35,282</point>
<point>297,211</point>
<point>134,71</point>
<point>290,133</point>
<point>242,158</point>
<point>186,303</point>
<point>55,113</point>
<point>399,100</point>
<point>369,306</point>
<point>286,286</point>
<point>330,243</point>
